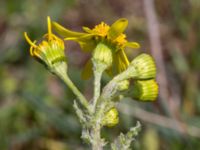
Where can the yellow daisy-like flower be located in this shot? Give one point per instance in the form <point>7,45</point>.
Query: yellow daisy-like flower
<point>110,35</point>
<point>50,50</point>
<point>101,29</point>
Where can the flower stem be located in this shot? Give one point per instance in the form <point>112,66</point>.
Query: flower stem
<point>61,72</point>
<point>97,85</point>
<point>79,95</point>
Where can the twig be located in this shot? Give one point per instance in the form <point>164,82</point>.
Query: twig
<point>167,101</point>
<point>160,120</point>
<point>156,48</point>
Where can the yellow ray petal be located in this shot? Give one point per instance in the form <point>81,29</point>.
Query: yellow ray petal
<point>86,29</point>
<point>65,32</point>
<point>123,57</point>
<point>32,49</point>
<point>117,28</point>
<point>122,66</point>
<point>86,44</point>
<point>132,44</point>
<point>85,38</point>
<point>29,41</point>
<point>121,61</point>
<point>49,27</point>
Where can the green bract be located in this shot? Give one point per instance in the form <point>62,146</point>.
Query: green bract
<point>103,54</point>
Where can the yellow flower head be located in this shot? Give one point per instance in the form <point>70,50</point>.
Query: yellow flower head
<point>50,50</point>
<point>101,29</point>
<point>120,41</point>
<point>112,36</point>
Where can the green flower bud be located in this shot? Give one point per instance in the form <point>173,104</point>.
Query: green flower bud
<point>145,66</point>
<point>103,55</point>
<point>111,118</point>
<point>145,90</point>
<point>123,85</point>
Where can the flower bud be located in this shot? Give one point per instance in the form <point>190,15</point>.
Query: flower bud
<point>145,66</point>
<point>111,118</point>
<point>123,85</point>
<point>145,90</point>
<point>103,54</point>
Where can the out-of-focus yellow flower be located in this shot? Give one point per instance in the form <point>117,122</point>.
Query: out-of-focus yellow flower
<point>50,50</point>
<point>110,35</point>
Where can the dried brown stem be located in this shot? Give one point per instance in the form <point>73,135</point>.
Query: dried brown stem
<point>160,120</point>
<point>156,48</point>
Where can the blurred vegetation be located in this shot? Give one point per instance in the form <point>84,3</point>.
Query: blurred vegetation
<point>36,108</point>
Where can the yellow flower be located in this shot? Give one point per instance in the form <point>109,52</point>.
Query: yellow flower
<point>101,29</point>
<point>110,35</point>
<point>50,50</point>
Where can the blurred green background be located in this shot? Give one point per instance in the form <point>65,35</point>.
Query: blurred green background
<point>36,107</point>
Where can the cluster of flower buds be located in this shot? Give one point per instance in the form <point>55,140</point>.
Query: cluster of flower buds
<point>145,87</point>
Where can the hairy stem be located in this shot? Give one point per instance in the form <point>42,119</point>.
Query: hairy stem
<point>74,89</point>
<point>97,142</point>
<point>98,71</point>
<point>97,87</point>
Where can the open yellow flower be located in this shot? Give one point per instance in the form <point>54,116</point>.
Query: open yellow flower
<point>110,35</point>
<point>50,50</point>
